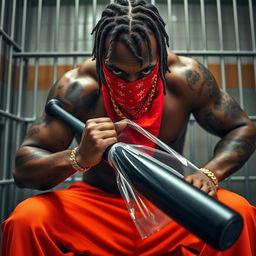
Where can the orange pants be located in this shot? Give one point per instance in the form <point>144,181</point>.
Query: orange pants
<point>84,220</point>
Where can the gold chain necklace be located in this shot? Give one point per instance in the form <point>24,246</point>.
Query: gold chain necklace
<point>152,93</point>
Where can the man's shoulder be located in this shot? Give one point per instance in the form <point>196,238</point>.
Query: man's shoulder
<point>190,81</point>
<point>84,76</point>
<point>180,67</point>
<point>88,68</point>
<point>77,87</point>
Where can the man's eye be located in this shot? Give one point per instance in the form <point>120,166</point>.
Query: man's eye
<point>146,72</point>
<point>116,72</point>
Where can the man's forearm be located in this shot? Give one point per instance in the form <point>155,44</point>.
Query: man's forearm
<point>39,169</point>
<point>232,151</point>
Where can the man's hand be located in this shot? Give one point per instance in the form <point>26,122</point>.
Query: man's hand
<point>98,134</point>
<point>201,181</point>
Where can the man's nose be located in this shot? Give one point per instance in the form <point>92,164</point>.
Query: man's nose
<point>132,78</point>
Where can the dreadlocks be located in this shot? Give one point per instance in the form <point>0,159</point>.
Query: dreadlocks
<point>131,22</point>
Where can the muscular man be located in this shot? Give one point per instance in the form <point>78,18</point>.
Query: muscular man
<point>131,75</point>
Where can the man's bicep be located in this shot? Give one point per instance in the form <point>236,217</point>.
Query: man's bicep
<point>221,114</point>
<point>48,133</point>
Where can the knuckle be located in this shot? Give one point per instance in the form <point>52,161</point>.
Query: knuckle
<point>89,127</point>
<point>89,121</point>
<point>94,137</point>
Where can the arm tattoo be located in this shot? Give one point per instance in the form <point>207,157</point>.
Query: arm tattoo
<point>73,95</point>
<point>229,107</point>
<point>192,77</point>
<point>242,147</point>
<point>230,110</point>
<point>33,131</point>
<point>208,81</point>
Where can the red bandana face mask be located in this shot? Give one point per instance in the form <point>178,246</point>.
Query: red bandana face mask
<point>147,108</point>
<point>129,95</point>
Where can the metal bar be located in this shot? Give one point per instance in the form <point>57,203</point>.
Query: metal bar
<point>75,46</point>
<point>35,88</point>
<point>9,79</point>
<point>240,82</point>
<point>187,34</point>
<point>1,26</point>
<point>203,24</point>
<point>39,18</point>
<point>170,26</point>
<point>57,21</point>
<point>221,42</point>
<point>2,14</point>
<point>239,68</point>
<point>253,36</point>
<point>88,54</point>
<point>220,24</point>
<point>6,181</point>
<point>94,11</point>
<point>38,32</point>
<point>21,60</point>
<point>252,25</point>
<point>19,101</point>
<point>9,40</point>
<point>8,100</point>
<point>56,39</point>
<point>19,105</point>
<point>16,118</point>
<point>236,25</point>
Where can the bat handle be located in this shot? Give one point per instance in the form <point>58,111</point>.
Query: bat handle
<point>54,107</point>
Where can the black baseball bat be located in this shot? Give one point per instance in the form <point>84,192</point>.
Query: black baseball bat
<point>202,215</point>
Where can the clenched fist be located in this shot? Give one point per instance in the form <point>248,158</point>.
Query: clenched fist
<point>98,134</point>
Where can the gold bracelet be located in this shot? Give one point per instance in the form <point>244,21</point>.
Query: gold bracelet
<point>74,163</point>
<point>211,175</point>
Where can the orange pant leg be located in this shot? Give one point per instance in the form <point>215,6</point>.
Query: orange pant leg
<point>69,222</point>
<point>246,244</point>
<point>84,220</point>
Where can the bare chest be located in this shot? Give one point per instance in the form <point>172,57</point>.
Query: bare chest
<point>174,119</point>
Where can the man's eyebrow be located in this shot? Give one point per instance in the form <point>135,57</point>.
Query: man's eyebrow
<point>114,67</point>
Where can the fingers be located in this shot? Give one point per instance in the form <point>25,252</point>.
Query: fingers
<point>105,123</point>
<point>99,133</point>
<point>202,182</point>
<point>98,120</point>
<point>189,179</point>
